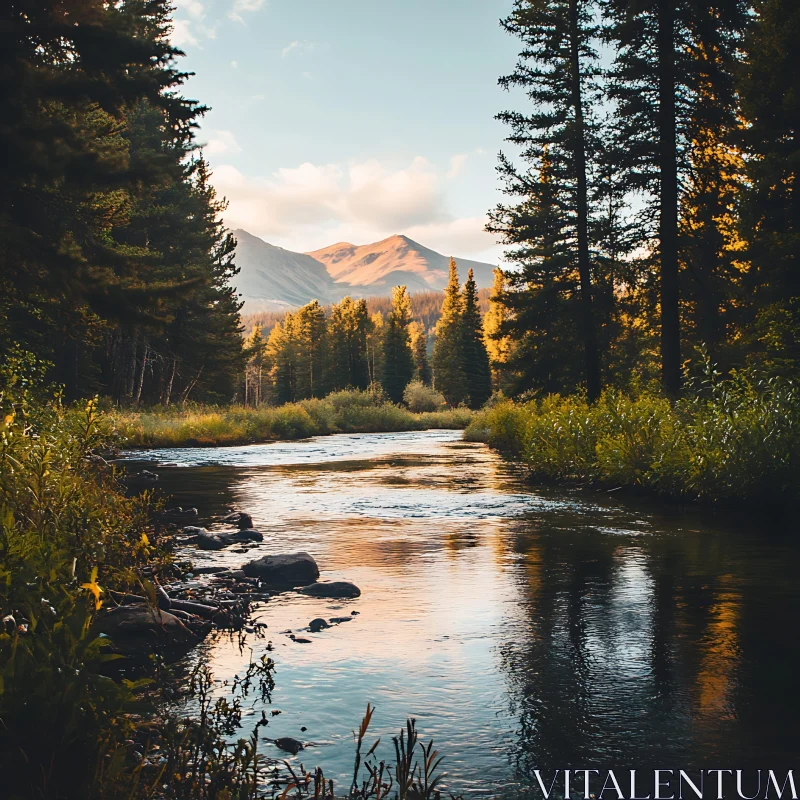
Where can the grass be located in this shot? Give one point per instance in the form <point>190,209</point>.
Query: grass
<point>341,412</point>
<point>729,441</point>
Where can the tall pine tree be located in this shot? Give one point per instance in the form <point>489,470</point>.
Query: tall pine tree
<point>473,349</point>
<point>448,358</point>
<point>398,360</point>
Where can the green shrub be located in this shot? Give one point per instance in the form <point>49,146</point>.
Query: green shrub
<point>419,398</point>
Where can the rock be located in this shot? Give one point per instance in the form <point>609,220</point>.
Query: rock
<point>318,624</point>
<point>300,640</point>
<point>179,515</point>
<point>143,478</point>
<point>139,629</point>
<point>207,540</point>
<point>239,518</point>
<point>289,745</point>
<point>198,609</point>
<point>334,589</point>
<point>337,620</point>
<point>284,571</point>
<point>211,570</point>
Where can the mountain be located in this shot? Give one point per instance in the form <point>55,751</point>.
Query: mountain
<point>273,279</point>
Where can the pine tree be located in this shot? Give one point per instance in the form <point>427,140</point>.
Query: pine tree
<point>255,347</point>
<point>419,347</point>
<point>348,328</point>
<point>557,69</point>
<point>448,359</point>
<point>375,337</point>
<point>473,350</point>
<point>770,92</point>
<point>495,329</point>
<point>398,360</point>
<point>660,80</point>
<point>312,351</point>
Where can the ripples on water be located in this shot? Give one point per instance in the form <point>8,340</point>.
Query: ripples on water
<point>523,628</point>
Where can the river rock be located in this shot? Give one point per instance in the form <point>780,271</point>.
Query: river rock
<point>317,625</point>
<point>138,629</point>
<point>284,571</point>
<point>239,518</point>
<point>332,589</point>
<point>179,515</point>
<point>289,745</point>
<point>206,540</point>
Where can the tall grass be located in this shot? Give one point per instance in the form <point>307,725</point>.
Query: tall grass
<point>728,440</point>
<point>341,412</point>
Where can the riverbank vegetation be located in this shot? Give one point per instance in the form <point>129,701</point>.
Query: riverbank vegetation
<point>352,411</point>
<point>733,440</point>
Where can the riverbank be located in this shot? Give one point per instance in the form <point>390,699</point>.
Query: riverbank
<point>341,412</point>
<point>734,441</point>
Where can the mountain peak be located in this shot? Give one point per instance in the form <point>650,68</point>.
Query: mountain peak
<point>330,273</point>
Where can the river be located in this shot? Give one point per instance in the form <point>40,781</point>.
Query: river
<point>523,627</point>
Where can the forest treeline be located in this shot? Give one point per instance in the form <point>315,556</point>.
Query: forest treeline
<point>652,183</point>
<point>116,267</point>
<point>314,351</point>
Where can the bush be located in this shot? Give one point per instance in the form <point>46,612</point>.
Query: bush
<point>419,398</point>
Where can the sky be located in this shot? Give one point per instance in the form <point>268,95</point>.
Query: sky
<point>352,120</point>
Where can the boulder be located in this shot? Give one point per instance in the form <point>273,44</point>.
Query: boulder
<point>283,571</point>
<point>289,745</point>
<point>334,589</point>
<point>239,518</point>
<point>138,630</point>
<point>206,540</point>
<point>317,625</point>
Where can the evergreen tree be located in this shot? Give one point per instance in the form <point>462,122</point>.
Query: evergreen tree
<point>398,360</point>
<point>667,57</point>
<point>540,298</point>
<point>348,328</point>
<point>495,329</point>
<point>255,348</point>
<point>448,358</point>
<point>473,350</point>
<point>282,358</point>
<point>312,351</point>
<point>770,92</point>
<point>375,338</point>
<point>419,347</point>
<point>557,69</point>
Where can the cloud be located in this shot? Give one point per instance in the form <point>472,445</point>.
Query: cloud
<point>189,26</point>
<point>244,6</point>
<point>301,47</point>
<point>310,206</point>
<point>456,164</point>
<point>234,64</point>
<point>182,33</point>
<point>221,142</point>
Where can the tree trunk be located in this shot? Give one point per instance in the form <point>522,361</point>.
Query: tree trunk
<point>591,354</point>
<point>191,385</point>
<point>170,381</point>
<point>668,200</point>
<point>140,383</point>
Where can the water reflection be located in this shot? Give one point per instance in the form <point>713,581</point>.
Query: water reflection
<point>524,628</point>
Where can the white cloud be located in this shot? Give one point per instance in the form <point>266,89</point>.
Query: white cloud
<point>456,164</point>
<point>189,26</point>
<point>310,206</point>
<point>244,6</point>
<point>300,47</point>
<point>221,142</point>
<point>182,33</point>
<point>234,64</point>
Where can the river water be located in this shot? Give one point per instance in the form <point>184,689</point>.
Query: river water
<point>523,627</point>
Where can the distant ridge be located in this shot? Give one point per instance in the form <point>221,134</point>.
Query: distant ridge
<point>274,279</point>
